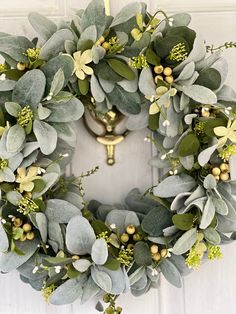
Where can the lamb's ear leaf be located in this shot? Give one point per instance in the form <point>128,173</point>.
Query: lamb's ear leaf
<point>29,89</point>
<point>99,252</point>
<point>80,236</point>
<point>46,136</point>
<point>12,260</point>
<point>185,242</point>
<point>60,211</point>
<point>171,273</point>
<point>42,25</point>
<point>15,138</point>
<point>68,292</point>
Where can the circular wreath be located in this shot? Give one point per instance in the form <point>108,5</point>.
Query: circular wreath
<point>156,72</point>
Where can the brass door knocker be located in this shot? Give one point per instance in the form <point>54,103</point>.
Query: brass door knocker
<point>108,128</point>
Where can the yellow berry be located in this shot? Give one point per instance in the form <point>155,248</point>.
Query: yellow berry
<point>124,237</point>
<point>154,249</point>
<point>23,237</point>
<point>130,229</point>
<point>167,71</point>
<point>136,237</point>
<point>164,252</point>
<point>136,34</point>
<point>217,178</point>
<point>158,77</point>
<point>30,235</point>
<point>216,171</point>
<point>130,246</point>
<point>158,69</point>
<point>27,227</point>
<point>156,257</point>
<point>224,176</point>
<point>21,66</point>
<point>169,79</point>
<point>101,40</point>
<point>17,222</point>
<point>224,167</point>
<point>76,257</point>
<point>106,45</point>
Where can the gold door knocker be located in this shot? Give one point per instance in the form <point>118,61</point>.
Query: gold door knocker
<point>108,128</point>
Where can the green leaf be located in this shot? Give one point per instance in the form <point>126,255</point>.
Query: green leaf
<point>55,44</point>
<point>153,121</point>
<point>156,220</point>
<point>112,264</point>
<point>142,255</point>
<point>212,236</point>
<point>174,185</point>
<point>57,261</point>
<point>189,145</point>
<point>46,136</point>
<point>68,291</point>
<point>212,123</point>
<point>171,273</point>
<point>183,221</point>
<point>209,78</point>
<point>99,227</point>
<point>121,68</point>
<point>152,57</point>
<point>58,82</point>
<point>102,279</point>
<point>15,47</point>
<point>29,90</point>
<point>127,13</point>
<point>15,138</point>
<point>39,185</point>
<point>83,86</point>
<point>185,242</point>
<point>94,14</point>
<point>42,25</point>
<point>125,101</point>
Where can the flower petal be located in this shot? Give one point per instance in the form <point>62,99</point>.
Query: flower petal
<point>220,131</point>
<point>80,74</point>
<point>28,186</point>
<point>77,56</point>
<point>153,109</point>
<point>32,172</point>
<point>86,57</point>
<point>87,70</point>
<point>21,172</point>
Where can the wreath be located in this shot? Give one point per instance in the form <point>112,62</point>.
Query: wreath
<point>158,73</point>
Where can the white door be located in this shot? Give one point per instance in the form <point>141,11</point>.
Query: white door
<point>210,290</point>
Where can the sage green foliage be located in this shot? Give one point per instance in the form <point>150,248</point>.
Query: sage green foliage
<point>70,248</point>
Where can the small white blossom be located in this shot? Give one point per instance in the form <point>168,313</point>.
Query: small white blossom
<point>171,20</point>
<point>64,155</point>
<point>149,28</point>
<point>154,272</point>
<point>47,246</point>
<point>146,139</point>
<point>170,151</point>
<point>227,110</point>
<point>163,157</point>
<point>175,171</point>
<point>50,94</point>
<point>166,123</point>
<point>152,98</point>
<point>34,271</point>
<point>41,170</point>
<point>3,221</point>
<point>2,77</point>
<point>113,226</point>
<point>57,269</point>
<point>171,172</point>
<point>38,245</point>
<point>48,98</point>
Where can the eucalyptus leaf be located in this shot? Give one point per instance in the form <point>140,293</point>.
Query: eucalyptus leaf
<point>171,273</point>
<point>46,136</point>
<point>42,25</point>
<point>99,252</point>
<point>60,211</point>
<point>208,213</point>
<point>15,138</point>
<point>212,236</point>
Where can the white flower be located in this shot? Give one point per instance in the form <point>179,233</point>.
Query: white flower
<point>41,170</point>
<point>171,20</point>
<point>146,139</point>
<point>113,226</point>
<point>34,271</point>
<point>163,157</point>
<point>80,60</point>
<point>3,221</point>
<point>166,123</point>
<point>154,272</point>
<point>48,97</point>
<point>64,155</point>
<point>57,269</point>
<point>170,151</point>
<point>2,77</point>
<point>227,110</point>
